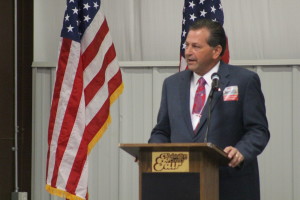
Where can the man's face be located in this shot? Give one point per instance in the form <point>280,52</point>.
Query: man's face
<point>199,55</point>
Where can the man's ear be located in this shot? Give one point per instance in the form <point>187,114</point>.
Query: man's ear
<point>217,51</point>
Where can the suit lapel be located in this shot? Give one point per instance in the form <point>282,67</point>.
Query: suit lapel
<point>184,93</point>
<point>224,81</point>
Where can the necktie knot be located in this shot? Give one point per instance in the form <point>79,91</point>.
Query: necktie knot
<point>201,81</point>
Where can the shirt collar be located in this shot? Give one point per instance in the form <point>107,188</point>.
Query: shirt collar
<point>206,76</point>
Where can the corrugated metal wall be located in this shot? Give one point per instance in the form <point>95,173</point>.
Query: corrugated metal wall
<point>113,175</point>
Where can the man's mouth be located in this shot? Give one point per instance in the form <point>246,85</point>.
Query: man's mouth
<point>191,60</point>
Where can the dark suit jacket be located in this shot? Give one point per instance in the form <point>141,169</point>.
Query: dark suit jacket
<point>240,123</point>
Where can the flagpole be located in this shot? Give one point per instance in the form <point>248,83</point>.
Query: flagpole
<point>16,195</point>
<point>16,98</point>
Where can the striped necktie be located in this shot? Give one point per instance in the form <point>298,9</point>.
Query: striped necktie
<point>199,97</point>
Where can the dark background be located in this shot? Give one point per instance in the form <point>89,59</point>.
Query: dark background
<point>7,92</point>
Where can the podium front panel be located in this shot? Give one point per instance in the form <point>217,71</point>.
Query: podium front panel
<point>183,171</point>
<point>175,186</point>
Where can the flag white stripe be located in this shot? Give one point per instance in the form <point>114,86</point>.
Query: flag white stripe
<point>83,181</point>
<point>92,70</point>
<point>72,147</point>
<point>101,96</point>
<point>65,93</point>
<point>183,64</point>
<point>92,30</point>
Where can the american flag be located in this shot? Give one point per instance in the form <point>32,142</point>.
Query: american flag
<point>88,81</point>
<point>194,10</point>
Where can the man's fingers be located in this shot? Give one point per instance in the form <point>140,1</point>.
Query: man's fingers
<point>227,149</point>
<point>235,156</point>
<point>234,162</point>
<point>231,151</point>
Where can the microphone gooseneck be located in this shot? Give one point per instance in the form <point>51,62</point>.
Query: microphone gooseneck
<point>215,77</point>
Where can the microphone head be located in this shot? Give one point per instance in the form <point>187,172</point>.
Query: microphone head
<point>215,77</point>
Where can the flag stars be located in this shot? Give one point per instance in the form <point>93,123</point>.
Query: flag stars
<point>87,18</point>
<point>220,7</point>
<point>203,13</point>
<point>183,46</point>
<point>70,28</point>
<point>75,11</point>
<point>67,17</point>
<point>213,9</point>
<point>201,2</point>
<point>86,6</point>
<point>191,4</point>
<point>183,21</point>
<point>96,5</point>
<point>193,17</point>
<point>71,1</point>
<point>183,33</point>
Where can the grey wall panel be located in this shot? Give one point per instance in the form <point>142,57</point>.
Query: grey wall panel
<point>159,74</point>
<point>276,161</point>
<point>135,121</point>
<point>136,105</point>
<point>42,81</point>
<point>104,162</point>
<point>296,132</point>
<point>113,174</point>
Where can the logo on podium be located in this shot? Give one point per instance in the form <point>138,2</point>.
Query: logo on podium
<point>170,162</point>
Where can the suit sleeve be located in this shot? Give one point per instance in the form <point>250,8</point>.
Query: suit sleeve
<point>256,133</point>
<point>161,132</point>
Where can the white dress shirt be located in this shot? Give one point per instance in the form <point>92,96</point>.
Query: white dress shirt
<point>194,85</point>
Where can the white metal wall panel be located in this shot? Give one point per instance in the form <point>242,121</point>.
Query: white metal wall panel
<point>113,174</point>
<point>104,162</point>
<point>136,120</point>
<point>296,131</point>
<point>276,161</point>
<point>159,75</point>
<point>42,85</point>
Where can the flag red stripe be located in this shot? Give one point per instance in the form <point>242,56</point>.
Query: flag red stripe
<point>114,82</point>
<point>91,130</point>
<point>81,156</point>
<point>98,121</point>
<point>69,120</point>
<point>91,51</point>
<point>62,64</point>
<point>226,56</point>
<point>93,87</point>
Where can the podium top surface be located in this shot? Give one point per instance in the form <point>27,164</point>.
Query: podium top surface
<point>135,149</point>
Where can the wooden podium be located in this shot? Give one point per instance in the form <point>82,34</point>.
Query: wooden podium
<point>178,171</point>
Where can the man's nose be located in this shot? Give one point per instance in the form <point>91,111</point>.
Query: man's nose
<point>187,50</point>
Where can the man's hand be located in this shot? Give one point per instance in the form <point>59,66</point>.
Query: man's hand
<point>234,155</point>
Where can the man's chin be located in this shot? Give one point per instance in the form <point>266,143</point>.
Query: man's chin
<point>191,67</point>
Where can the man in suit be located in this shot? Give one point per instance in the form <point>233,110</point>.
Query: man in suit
<point>238,115</point>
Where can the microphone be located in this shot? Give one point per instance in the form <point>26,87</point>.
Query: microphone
<point>215,77</point>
